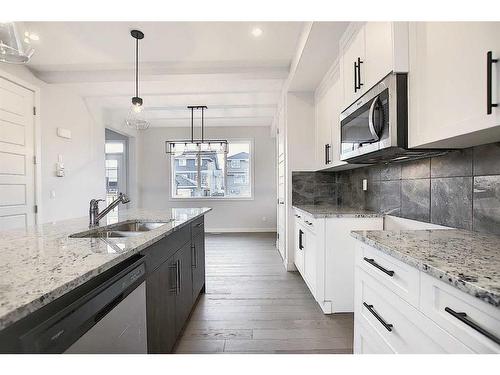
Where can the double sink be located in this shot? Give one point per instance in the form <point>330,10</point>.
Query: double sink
<point>130,228</point>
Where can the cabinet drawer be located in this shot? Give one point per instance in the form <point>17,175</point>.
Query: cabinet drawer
<point>368,341</point>
<point>403,327</point>
<point>307,220</point>
<point>399,277</point>
<point>441,301</point>
<point>160,251</point>
<point>197,227</point>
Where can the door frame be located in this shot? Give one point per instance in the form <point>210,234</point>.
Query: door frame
<point>37,138</point>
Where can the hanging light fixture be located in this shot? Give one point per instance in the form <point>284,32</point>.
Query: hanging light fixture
<point>197,146</point>
<point>15,47</point>
<point>137,117</point>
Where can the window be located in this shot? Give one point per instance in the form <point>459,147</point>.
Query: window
<point>204,175</point>
<point>113,148</point>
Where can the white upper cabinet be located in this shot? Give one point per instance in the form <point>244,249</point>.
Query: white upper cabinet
<point>353,56</point>
<point>369,52</point>
<point>328,101</point>
<point>448,84</point>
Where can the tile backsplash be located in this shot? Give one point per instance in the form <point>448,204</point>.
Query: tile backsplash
<point>460,189</point>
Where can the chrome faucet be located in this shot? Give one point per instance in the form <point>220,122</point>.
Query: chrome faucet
<point>95,216</point>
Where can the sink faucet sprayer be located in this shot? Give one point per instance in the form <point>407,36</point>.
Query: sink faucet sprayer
<point>95,215</point>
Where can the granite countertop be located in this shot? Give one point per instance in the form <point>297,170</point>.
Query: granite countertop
<point>42,263</point>
<point>320,211</point>
<point>469,261</point>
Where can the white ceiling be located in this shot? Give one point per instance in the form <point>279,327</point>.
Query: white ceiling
<point>219,64</point>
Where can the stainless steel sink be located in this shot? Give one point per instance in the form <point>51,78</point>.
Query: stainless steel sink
<point>136,226</point>
<point>123,229</point>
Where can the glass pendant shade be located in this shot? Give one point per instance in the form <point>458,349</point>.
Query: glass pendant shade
<point>14,47</point>
<point>137,118</point>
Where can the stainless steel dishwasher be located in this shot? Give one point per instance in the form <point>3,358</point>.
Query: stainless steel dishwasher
<point>109,319</point>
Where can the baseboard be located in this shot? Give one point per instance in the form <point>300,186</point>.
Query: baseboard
<point>240,230</point>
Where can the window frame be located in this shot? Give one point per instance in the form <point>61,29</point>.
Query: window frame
<point>251,175</point>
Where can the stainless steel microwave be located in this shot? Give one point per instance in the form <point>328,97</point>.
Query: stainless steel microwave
<point>374,129</point>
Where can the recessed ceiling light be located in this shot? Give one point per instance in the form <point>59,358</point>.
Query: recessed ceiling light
<point>256,32</point>
<point>34,36</point>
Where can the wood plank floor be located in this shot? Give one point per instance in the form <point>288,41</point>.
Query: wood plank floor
<point>252,305</point>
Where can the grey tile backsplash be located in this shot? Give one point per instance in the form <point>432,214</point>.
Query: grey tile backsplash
<point>459,189</point>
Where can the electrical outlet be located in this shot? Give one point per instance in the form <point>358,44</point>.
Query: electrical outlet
<point>365,184</point>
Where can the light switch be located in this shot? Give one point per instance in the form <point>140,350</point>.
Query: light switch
<point>52,194</point>
<point>64,133</point>
<point>365,184</point>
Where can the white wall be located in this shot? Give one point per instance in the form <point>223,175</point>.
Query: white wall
<point>230,215</point>
<point>83,155</point>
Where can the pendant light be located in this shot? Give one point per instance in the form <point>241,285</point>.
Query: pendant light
<point>137,117</point>
<point>197,146</point>
<point>15,47</point>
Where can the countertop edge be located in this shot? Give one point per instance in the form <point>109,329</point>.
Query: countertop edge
<point>339,214</point>
<point>22,311</point>
<point>485,295</point>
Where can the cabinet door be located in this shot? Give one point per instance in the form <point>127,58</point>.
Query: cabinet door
<point>160,306</point>
<point>184,297</point>
<point>299,246</point>
<point>378,52</point>
<point>448,83</point>
<point>324,106</point>
<point>354,49</point>
<point>336,103</point>
<point>198,264</point>
<point>310,252</point>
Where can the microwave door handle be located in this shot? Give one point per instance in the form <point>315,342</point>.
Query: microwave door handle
<point>370,119</point>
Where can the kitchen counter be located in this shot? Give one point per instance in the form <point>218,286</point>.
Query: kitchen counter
<point>42,263</point>
<point>326,211</point>
<point>469,261</point>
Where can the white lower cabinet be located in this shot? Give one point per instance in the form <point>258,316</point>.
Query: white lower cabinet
<point>324,256</point>
<point>414,319</point>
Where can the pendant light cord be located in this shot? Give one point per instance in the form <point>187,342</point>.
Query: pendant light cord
<point>137,67</point>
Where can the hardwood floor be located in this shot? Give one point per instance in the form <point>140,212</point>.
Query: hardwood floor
<point>252,305</point>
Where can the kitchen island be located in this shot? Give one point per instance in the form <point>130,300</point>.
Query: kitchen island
<point>44,270</point>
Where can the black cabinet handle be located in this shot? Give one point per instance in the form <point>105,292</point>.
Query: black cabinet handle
<point>375,264</point>
<point>175,288</point>
<point>179,280</point>
<point>194,263</point>
<point>327,154</point>
<point>300,239</point>
<point>355,77</point>
<point>359,73</point>
<point>387,326</point>
<point>489,82</point>
<point>464,319</point>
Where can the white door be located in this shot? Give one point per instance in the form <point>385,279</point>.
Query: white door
<point>17,178</point>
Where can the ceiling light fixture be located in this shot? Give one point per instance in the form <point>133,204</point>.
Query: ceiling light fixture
<point>137,119</point>
<point>197,146</point>
<point>14,48</point>
<point>256,32</point>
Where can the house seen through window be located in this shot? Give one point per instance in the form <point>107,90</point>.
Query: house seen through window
<point>212,174</point>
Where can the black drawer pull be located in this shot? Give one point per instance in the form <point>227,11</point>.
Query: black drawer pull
<point>387,326</point>
<point>463,318</point>
<point>375,264</point>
